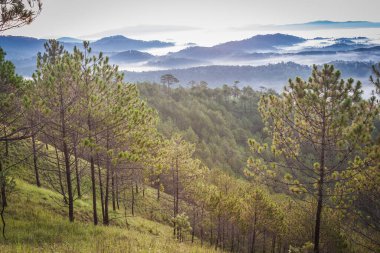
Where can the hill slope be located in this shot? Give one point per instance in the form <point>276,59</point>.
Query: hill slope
<point>36,223</point>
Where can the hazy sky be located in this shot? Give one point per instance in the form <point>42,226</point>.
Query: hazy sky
<point>204,21</point>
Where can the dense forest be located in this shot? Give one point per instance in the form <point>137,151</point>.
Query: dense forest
<point>91,163</point>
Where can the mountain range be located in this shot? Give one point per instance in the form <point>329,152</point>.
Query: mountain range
<point>327,24</point>
<point>261,59</point>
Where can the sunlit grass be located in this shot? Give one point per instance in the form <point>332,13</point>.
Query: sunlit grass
<point>37,222</point>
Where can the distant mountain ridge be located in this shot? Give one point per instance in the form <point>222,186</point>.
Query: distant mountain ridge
<point>327,24</point>
<point>130,56</point>
<point>270,75</point>
<point>262,42</point>
<point>213,62</point>
<point>119,43</point>
<point>69,40</point>
<point>23,47</point>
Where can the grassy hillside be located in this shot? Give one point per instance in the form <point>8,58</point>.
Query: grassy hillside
<point>36,223</point>
<point>36,218</point>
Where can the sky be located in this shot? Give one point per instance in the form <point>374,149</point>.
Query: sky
<point>205,22</point>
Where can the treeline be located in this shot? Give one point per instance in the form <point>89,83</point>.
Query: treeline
<point>96,133</point>
<point>270,75</point>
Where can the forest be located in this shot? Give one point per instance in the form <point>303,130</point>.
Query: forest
<point>92,163</point>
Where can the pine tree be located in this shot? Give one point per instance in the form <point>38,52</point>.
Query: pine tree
<point>59,94</point>
<point>17,13</point>
<point>317,127</point>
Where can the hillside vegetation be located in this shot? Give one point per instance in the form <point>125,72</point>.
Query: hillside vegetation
<point>37,224</point>
<point>89,163</point>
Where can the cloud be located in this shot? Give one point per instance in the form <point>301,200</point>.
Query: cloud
<point>315,25</point>
<point>142,29</point>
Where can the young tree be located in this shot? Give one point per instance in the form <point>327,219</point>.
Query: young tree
<point>317,127</point>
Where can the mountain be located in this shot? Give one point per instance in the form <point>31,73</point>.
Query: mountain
<point>215,76</point>
<point>130,56</point>
<point>261,42</point>
<point>255,51</point>
<point>169,62</point>
<point>368,49</point>
<point>21,47</point>
<point>203,53</point>
<point>69,40</point>
<point>343,47</point>
<point>271,75</point>
<point>258,43</point>
<point>24,47</point>
<point>327,24</point>
<point>120,43</point>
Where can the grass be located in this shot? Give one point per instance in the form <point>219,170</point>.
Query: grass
<point>37,222</point>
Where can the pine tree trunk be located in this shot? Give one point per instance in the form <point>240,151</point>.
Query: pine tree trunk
<point>320,187</point>
<point>158,187</point>
<point>174,202</point>
<point>60,176</point>
<point>264,241</point>
<point>177,188</point>
<point>66,155</point>
<point>77,174</point>
<point>3,198</point>
<point>133,200</point>
<point>232,238</point>
<point>274,243</point>
<point>93,179</point>
<point>201,224</point>
<point>117,190</point>
<point>113,192</point>
<point>68,179</point>
<point>38,183</point>
<point>109,172</point>
<point>3,189</point>
<point>101,190</point>
<point>193,230</point>
<point>254,234</point>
